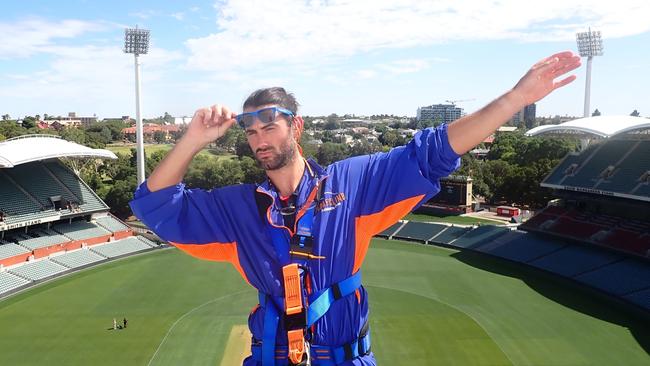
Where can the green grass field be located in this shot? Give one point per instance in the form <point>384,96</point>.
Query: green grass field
<point>451,219</point>
<point>429,306</point>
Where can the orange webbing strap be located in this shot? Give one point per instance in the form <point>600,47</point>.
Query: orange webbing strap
<point>293,305</point>
<point>296,345</point>
<point>292,289</point>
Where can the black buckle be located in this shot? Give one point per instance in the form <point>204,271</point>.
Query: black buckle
<point>295,321</point>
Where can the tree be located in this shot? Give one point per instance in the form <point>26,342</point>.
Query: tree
<point>73,134</point>
<point>6,117</point>
<point>168,118</point>
<point>596,113</point>
<point>330,152</point>
<point>160,137</point>
<point>635,113</point>
<point>29,122</point>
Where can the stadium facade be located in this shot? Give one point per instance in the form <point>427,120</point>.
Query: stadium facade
<point>51,222</point>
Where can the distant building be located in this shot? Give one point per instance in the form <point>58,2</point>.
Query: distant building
<point>525,116</point>
<point>445,113</point>
<point>149,129</point>
<point>530,112</point>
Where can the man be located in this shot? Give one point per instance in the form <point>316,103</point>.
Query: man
<point>300,238</point>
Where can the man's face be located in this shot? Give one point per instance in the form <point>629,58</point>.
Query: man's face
<point>272,144</point>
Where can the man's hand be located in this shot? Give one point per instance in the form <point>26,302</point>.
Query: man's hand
<point>539,81</point>
<point>209,124</point>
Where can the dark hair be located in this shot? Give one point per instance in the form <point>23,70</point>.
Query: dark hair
<point>275,95</point>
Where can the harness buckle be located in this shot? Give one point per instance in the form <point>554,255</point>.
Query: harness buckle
<point>292,289</point>
<point>298,348</point>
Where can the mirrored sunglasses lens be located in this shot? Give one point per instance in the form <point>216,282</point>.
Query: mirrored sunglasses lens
<point>267,115</point>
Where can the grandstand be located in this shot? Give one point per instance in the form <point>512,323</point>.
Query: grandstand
<point>51,222</point>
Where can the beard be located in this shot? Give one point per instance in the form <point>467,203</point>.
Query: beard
<point>277,160</point>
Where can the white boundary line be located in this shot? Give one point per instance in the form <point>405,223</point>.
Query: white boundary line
<point>188,313</point>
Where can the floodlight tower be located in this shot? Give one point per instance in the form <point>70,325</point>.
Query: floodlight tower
<point>590,44</point>
<point>136,41</point>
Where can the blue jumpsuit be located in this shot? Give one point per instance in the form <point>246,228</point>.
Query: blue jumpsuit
<point>361,197</point>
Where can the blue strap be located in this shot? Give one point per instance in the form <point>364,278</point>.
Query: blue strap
<point>321,355</point>
<point>320,303</point>
<point>271,319</point>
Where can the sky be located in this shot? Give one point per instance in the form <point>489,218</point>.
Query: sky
<point>346,57</point>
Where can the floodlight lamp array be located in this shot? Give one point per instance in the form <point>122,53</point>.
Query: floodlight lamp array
<point>136,41</point>
<point>590,43</point>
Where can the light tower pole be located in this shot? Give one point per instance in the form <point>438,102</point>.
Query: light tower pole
<point>136,41</point>
<point>590,44</point>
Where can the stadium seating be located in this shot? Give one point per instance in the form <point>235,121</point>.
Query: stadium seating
<point>450,234</point>
<point>480,235</point>
<point>573,260</point>
<point>120,247</point>
<point>16,204</point>
<point>420,231</point>
<point>608,153</point>
<point>627,173</point>
<point>43,241</point>
<point>521,247</point>
<point>9,282</point>
<point>111,224</point>
<point>39,183</point>
<point>147,241</point>
<point>38,270</point>
<point>619,278</point>
<point>80,230</point>
<point>391,230</point>
<point>9,250</point>
<point>78,258</point>
<point>641,298</point>
<point>88,199</point>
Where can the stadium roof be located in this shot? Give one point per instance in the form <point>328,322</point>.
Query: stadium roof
<point>25,149</point>
<point>600,126</point>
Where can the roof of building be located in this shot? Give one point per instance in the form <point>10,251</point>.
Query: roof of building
<point>28,148</point>
<point>599,126</point>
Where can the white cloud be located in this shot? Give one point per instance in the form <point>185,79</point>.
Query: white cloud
<point>405,66</point>
<point>256,33</point>
<point>28,37</point>
<point>179,16</point>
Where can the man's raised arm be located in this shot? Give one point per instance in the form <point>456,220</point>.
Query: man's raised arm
<point>207,125</point>
<point>469,131</point>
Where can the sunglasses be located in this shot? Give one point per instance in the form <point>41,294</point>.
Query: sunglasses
<point>265,116</point>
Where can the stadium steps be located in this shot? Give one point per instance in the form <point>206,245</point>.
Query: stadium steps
<point>39,183</point>
<point>89,201</point>
<point>9,250</point>
<point>10,282</point>
<point>111,224</point>
<point>78,258</point>
<point>419,231</point>
<point>521,247</point>
<point>450,234</point>
<point>43,241</point>
<point>640,297</point>
<point>574,260</point>
<point>479,235</point>
<point>392,230</point>
<point>619,278</point>
<point>120,247</point>
<point>147,241</point>
<point>39,270</point>
<point>80,230</point>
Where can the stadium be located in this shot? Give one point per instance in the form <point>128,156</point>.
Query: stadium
<point>570,286</point>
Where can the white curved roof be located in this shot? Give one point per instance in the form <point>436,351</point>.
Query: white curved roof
<point>25,149</point>
<point>601,126</point>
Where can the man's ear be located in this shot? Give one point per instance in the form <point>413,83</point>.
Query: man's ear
<point>298,126</point>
